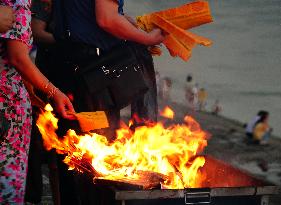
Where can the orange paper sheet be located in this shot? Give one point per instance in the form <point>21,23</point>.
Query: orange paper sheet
<point>176,48</point>
<point>174,22</point>
<point>186,16</point>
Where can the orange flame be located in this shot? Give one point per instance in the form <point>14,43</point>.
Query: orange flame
<point>171,152</point>
<point>168,113</point>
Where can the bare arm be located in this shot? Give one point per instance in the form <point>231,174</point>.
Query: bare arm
<point>111,21</point>
<point>39,32</point>
<point>18,57</point>
<point>131,20</point>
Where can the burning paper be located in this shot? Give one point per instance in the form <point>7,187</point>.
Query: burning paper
<point>169,152</point>
<point>174,22</point>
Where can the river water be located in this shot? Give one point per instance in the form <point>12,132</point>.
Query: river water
<point>243,67</point>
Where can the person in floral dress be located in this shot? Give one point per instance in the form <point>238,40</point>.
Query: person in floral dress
<point>15,106</point>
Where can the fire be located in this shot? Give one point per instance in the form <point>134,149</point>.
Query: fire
<point>168,113</point>
<point>171,152</point>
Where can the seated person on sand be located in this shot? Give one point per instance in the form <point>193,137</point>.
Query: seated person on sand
<point>262,130</point>
<point>216,108</point>
<point>251,125</point>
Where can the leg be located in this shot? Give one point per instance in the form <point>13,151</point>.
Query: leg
<point>34,185</point>
<point>67,186</point>
<point>54,177</point>
<point>14,147</point>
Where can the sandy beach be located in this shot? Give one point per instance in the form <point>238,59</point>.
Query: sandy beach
<point>241,68</point>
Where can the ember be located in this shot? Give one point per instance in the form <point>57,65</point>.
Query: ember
<point>148,156</point>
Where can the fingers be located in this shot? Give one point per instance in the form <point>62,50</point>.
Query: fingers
<point>63,106</point>
<point>156,37</point>
<point>164,33</point>
<point>69,106</point>
<point>68,110</point>
<point>161,32</point>
<point>63,112</point>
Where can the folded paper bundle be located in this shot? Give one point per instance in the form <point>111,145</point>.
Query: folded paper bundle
<point>90,121</point>
<point>174,22</point>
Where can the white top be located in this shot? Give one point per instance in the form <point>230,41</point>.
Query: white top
<point>251,125</point>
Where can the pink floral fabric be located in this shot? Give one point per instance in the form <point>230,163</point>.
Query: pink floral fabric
<point>15,110</point>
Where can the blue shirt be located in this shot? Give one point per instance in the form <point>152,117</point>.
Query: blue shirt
<point>81,20</point>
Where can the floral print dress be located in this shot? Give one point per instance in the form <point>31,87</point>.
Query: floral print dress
<point>15,111</point>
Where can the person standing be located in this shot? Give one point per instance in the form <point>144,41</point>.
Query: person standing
<point>94,27</point>
<point>166,86</point>
<point>15,104</point>
<point>195,91</point>
<point>202,99</point>
<point>100,25</point>
<point>49,62</point>
<point>189,91</point>
<point>157,79</point>
<point>42,27</point>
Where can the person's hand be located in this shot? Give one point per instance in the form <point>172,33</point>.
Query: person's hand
<point>155,37</point>
<point>63,105</point>
<point>7,18</point>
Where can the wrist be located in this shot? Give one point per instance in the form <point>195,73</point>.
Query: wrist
<point>50,90</point>
<point>52,93</point>
<point>146,39</point>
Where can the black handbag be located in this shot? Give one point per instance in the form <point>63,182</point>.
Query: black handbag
<point>117,71</point>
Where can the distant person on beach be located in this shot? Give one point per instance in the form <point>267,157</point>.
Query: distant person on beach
<point>188,88</point>
<point>202,99</point>
<point>157,78</point>
<point>194,96</point>
<point>216,108</point>
<point>165,88</point>
<point>262,130</point>
<point>251,125</point>
<point>191,92</point>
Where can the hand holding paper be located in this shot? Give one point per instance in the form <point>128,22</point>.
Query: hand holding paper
<point>174,22</point>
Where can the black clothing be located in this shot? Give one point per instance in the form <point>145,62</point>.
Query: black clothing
<point>80,19</point>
